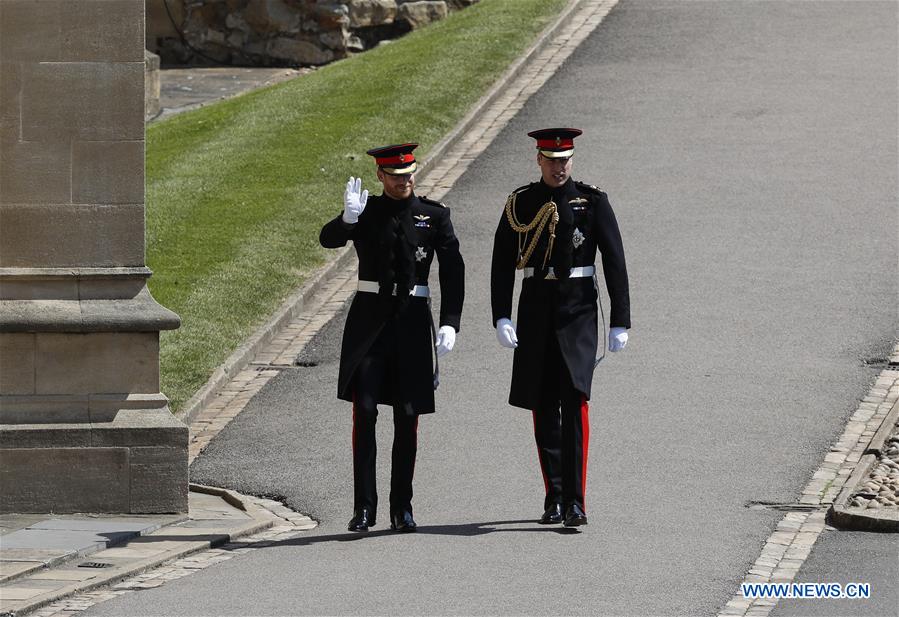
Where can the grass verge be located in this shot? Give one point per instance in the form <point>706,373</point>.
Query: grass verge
<point>237,191</point>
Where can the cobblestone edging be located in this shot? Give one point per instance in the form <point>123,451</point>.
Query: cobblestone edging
<point>881,489</point>
<point>290,525</point>
<point>870,499</point>
<point>276,345</point>
<point>791,542</point>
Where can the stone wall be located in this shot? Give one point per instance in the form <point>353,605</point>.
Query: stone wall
<point>83,425</point>
<point>281,32</point>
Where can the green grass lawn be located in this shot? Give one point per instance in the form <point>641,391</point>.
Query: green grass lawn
<point>237,191</point>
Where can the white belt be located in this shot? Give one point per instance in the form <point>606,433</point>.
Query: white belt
<point>578,272</point>
<point>419,291</point>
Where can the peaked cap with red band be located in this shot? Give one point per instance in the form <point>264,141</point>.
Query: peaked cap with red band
<point>555,143</point>
<point>397,159</point>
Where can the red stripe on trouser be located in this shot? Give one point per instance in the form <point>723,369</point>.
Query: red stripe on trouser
<point>540,458</point>
<point>354,435</point>
<point>585,444</point>
<point>415,428</point>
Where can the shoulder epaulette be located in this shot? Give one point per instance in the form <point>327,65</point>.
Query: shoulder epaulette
<point>588,188</point>
<point>432,202</point>
<point>521,188</point>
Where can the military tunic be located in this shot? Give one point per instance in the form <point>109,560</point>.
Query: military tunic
<point>428,231</point>
<point>565,308</point>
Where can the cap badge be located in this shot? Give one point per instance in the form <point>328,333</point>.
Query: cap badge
<point>558,141</point>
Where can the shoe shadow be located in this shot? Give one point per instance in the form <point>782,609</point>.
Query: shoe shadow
<point>463,530</point>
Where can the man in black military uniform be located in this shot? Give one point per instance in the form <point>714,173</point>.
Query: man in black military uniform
<point>386,355</point>
<point>551,230</point>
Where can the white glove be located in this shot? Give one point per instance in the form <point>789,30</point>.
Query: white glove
<point>617,338</point>
<point>505,333</point>
<point>446,338</point>
<point>353,201</point>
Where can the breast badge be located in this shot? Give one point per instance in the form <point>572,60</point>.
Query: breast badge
<point>577,238</point>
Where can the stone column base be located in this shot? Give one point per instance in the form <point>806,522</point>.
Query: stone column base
<point>135,463</point>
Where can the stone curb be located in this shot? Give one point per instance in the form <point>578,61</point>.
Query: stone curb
<point>262,520</point>
<point>294,305</point>
<point>884,432</point>
<point>852,518</point>
<point>230,497</point>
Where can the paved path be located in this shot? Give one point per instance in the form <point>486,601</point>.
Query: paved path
<point>189,88</point>
<point>750,151</point>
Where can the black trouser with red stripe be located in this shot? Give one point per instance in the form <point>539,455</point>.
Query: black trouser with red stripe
<point>562,432</point>
<point>376,369</point>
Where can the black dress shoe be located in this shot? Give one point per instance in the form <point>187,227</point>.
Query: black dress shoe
<point>574,516</point>
<point>552,515</point>
<point>402,521</point>
<point>362,520</point>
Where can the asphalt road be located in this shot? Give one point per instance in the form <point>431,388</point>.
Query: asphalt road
<point>749,149</point>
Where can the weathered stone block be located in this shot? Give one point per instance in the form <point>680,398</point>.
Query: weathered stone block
<point>10,87</point>
<point>299,51</point>
<point>30,31</point>
<point>159,480</point>
<point>62,435</point>
<point>364,13</point>
<point>35,172</point>
<point>38,236</point>
<point>105,408</point>
<point>421,13</point>
<point>23,315</point>
<point>102,362</point>
<point>65,480</point>
<point>152,85</point>
<point>16,363</point>
<point>330,16</point>
<point>102,31</point>
<point>26,288</point>
<point>43,409</point>
<point>269,16</point>
<point>122,287</point>
<point>142,427</point>
<point>83,100</point>
<point>108,172</point>
<point>335,39</point>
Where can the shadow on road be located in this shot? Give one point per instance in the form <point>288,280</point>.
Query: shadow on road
<point>467,529</point>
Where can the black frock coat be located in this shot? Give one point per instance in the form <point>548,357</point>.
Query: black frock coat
<point>565,309</point>
<point>427,228</point>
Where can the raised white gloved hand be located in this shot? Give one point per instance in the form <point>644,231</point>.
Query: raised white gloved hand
<point>505,333</point>
<point>617,338</point>
<point>446,338</point>
<point>353,201</point>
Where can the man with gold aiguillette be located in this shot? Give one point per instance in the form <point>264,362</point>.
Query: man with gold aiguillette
<point>389,337</point>
<point>551,230</point>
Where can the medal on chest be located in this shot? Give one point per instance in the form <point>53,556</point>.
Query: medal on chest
<point>577,238</point>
